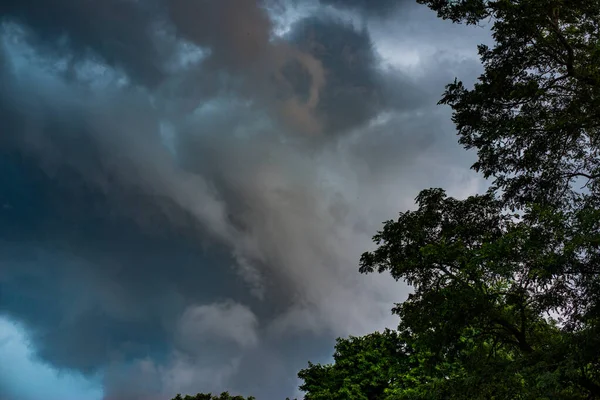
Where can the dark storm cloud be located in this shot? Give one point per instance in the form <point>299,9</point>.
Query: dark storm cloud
<point>351,94</point>
<point>106,243</point>
<point>237,32</point>
<point>239,36</point>
<point>83,218</point>
<point>93,257</point>
<point>369,7</point>
<point>173,237</point>
<point>357,87</point>
<point>122,32</point>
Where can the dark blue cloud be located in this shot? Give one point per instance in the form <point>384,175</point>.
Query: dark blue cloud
<point>108,239</point>
<point>59,237</point>
<point>98,270</point>
<point>351,95</point>
<point>119,31</point>
<point>379,8</point>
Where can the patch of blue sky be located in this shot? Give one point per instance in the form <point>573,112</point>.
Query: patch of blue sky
<point>24,377</point>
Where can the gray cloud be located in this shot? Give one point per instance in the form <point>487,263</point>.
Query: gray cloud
<point>377,8</point>
<point>351,95</point>
<point>227,321</point>
<point>239,36</point>
<point>238,33</point>
<point>119,31</point>
<point>172,236</point>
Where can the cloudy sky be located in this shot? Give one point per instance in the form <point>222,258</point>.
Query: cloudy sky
<point>186,186</point>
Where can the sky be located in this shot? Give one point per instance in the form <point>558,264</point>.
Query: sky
<point>186,186</point>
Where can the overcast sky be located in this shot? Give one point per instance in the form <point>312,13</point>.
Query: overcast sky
<point>186,186</point>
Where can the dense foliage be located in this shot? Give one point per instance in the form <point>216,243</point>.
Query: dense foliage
<point>364,368</point>
<point>492,306</point>
<point>506,284</point>
<point>534,115</point>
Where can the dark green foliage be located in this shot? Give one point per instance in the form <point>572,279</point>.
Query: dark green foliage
<point>485,284</point>
<point>364,368</point>
<point>534,115</point>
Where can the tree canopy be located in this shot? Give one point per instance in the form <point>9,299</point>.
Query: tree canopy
<point>363,368</point>
<point>491,306</point>
<point>534,114</point>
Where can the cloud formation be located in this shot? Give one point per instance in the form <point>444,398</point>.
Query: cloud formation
<point>378,8</point>
<point>124,33</point>
<point>19,365</point>
<point>184,193</point>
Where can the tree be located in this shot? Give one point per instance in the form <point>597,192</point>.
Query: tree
<point>486,285</point>
<point>376,366</point>
<point>363,368</point>
<point>534,115</point>
<point>534,119</point>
